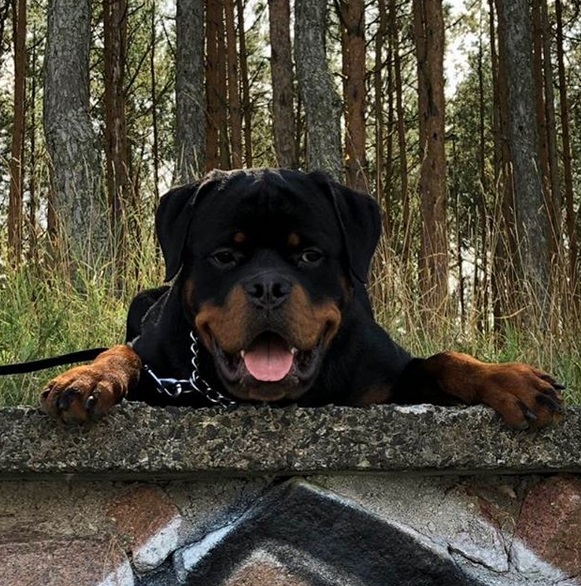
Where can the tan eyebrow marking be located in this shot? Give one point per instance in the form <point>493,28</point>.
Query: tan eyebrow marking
<point>239,238</point>
<point>294,240</point>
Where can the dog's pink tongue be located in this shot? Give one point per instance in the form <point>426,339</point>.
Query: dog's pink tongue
<point>268,360</point>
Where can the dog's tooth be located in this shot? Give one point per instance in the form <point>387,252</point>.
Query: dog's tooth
<point>242,353</point>
<point>294,351</point>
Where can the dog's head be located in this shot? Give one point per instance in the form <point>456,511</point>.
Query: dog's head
<point>267,260</point>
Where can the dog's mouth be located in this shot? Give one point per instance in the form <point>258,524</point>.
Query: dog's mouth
<point>269,369</point>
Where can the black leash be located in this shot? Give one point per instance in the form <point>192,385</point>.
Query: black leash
<point>171,387</point>
<point>34,365</point>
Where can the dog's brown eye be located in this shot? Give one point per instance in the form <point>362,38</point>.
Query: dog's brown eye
<point>225,258</point>
<point>310,256</point>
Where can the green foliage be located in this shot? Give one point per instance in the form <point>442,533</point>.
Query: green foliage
<point>42,313</point>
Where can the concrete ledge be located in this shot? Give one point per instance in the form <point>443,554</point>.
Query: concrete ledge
<point>140,441</point>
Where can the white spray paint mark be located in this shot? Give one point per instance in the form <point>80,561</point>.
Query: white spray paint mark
<point>156,549</point>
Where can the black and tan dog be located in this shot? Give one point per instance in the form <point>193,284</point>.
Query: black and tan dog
<point>267,270</point>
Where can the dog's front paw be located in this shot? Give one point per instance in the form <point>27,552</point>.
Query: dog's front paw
<point>523,395</point>
<point>89,392</point>
<point>80,394</point>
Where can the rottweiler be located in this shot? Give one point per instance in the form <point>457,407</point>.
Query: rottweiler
<point>266,303</point>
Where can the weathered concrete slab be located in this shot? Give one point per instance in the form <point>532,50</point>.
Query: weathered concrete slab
<point>137,441</point>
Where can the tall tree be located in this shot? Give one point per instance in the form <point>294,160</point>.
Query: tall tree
<point>76,168</point>
<point>245,86</point>
<point>217,145</point>
<point>394,40</point>
<point>503,274</point>
<point>481,281</point>
<point>190,91</point>
<point>116,142</point>
<point>382,183</point>
<point>429,40</point>
<point>321,102</point>
<point>352,16</point>
<point>530,213</point>
<point>281,69</point>
<point>554,191</point>
<point>567,151</point>
<point>154,102</point>
<point>32,130</point>
<point>545,99</point>
<point>213,16</point>
<point>15,201</point>
<point>541,120</point>
<point>234,106</point>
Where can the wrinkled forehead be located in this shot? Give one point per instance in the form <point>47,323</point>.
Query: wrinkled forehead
<point>265,207</point>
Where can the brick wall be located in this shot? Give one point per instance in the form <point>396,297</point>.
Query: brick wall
<point>255,497</point>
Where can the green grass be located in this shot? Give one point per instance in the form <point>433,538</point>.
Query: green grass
<point>42,314</point>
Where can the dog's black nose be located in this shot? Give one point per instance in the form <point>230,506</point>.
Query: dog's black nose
<point>268,291</point>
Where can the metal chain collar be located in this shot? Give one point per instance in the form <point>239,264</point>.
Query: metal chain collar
<point>175,388</point>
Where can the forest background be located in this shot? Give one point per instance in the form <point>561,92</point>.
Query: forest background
<point>464,122</point>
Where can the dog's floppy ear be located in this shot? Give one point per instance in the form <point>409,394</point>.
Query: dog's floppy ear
<point>360,223</point>
<point>174,215</point>
<point>172,220</point>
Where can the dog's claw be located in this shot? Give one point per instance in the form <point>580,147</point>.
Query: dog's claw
<point>66,398</point>
<point>91,402</point>
<point>552,381</point>
<point>550,402</point>
<point>529,415</point>
<point>89,391</point>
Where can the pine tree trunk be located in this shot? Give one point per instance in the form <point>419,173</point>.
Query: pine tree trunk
<point>567,154</point>
<point>222,89</point>
<point>190,91</point>
<point>79,207</point>
<point>406,219</point>
<point>213,105</point>
<point>15,200</point>
<point>234,107</point>
<point>246,105</point>
<point>503,273</point>
<point>537,36</point>
<point>381,183</point>
<point>352,16</point>
<point>321,102</point>
<point>429,37</point>
<point>481,281</point>
<point>116,144</point>
<point>554,191</point>
<point>32,252</point>
<point>282,84</point>
<point>154,104</point>
<point>530,213</point>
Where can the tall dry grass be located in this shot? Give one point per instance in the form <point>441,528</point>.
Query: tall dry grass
<point>544,333</point>
<point>45,312</point>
